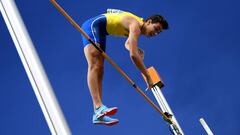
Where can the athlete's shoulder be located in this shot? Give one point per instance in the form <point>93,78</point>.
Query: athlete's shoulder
<point>133,17</point>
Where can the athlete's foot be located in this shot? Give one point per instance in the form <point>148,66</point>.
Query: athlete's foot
<point>105,120</point>
<point>105,111</point>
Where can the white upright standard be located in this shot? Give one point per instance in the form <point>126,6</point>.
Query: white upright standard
<point>36,74</point>
<point>165,107</point>
<point>205,126</point>
<point>156,90</point>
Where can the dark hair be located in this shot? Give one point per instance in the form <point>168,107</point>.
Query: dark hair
<point>158,19</point>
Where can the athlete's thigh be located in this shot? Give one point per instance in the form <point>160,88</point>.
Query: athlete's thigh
<point>92,55</point>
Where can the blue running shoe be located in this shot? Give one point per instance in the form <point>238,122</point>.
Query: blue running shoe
<point>106,120</point>
<point>105,111</point>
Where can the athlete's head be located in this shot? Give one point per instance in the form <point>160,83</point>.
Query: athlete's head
<point>153,25</point>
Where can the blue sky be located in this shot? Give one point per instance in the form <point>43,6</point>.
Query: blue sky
<point>198,59</point>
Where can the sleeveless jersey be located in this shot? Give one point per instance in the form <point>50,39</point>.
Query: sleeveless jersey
<point>114,25</point>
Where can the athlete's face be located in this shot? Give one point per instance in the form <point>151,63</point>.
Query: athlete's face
<point>152,29</point>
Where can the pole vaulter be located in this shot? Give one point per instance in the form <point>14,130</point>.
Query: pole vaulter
<point>165,117</point>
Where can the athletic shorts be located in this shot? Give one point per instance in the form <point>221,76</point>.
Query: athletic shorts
<point>95,28</point>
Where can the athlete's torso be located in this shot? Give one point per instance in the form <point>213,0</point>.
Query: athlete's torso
<point>114,23</point>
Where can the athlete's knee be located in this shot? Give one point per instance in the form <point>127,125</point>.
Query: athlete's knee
<point>91,52</point>
<point>97,66</point>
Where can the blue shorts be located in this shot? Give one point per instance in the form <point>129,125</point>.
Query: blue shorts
<point>95,28</point>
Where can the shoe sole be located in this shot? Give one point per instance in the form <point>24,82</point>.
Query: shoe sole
<point>107,123</point>
<point>108,113</point>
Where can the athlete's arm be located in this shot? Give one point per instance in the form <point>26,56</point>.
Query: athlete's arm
<point>132,45</point>
<point>140,51</point>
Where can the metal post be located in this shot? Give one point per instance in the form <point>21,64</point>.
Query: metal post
<point>36,74</point>
<point>205,126</point>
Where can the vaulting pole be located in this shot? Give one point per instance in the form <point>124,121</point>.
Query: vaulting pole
<point>36,74</point>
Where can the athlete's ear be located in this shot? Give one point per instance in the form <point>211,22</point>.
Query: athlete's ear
<point>149,21</point>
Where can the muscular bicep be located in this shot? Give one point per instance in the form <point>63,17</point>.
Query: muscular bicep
<point>132,41</point>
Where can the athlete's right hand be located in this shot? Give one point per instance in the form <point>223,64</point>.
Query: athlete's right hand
<point>149,83</point>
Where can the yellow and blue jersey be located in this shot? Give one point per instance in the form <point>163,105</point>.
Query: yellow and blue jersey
<point>109,23</point>
<point>114,23</point>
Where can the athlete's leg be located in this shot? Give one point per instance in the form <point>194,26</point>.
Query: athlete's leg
<point>95,77</point>
<point>95,28</point>
<point>95,73</point>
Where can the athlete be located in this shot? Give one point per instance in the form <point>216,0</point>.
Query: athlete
<point>118,23</point>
